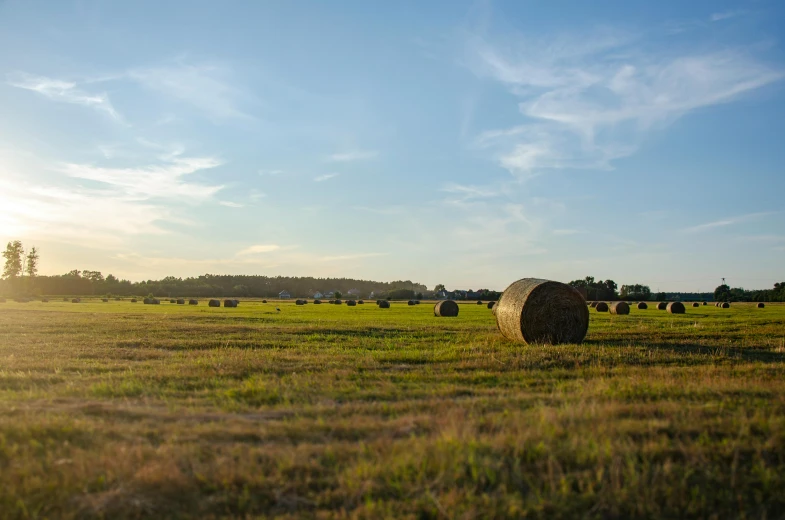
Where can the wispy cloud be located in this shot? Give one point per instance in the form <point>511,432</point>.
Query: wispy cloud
<point>165,180</point>
<point>351,256</point>
<point>355,155</point>
<point>259,248</point>
<point>725,15</point>
<point>325,177</point>
<point>730,221</point>
<point>270,172</point>
<point>63,91</point>
<point>230,204</point>
<point>469,192</point>
<point>592,99</point>
<point>208,87</point>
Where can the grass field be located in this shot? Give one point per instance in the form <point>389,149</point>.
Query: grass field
<point>121,410</point>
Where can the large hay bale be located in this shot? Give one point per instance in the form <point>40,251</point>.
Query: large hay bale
<point>675,308</point>
<point>696,304</point>
<point>601,307</point>
<point>725,305</point>
<point>193,302</point>
<point>180,301</point>
<point>384,304</point>
<point>317,302</point>
<point>619,308</point>
<point>541,311</point>
<point>760,305</point>
<point>661,306</point>
<point>411,302</point>
<point>643,306</point>
<point>351,303</point>
<point>230,303</point>
<point>445,309</point>
<point>491,304</point>
<point>338,302</point>
<point>214,303</point>
<point>594,305</point>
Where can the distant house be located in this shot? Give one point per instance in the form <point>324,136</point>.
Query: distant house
<point>353,292</point>
<point>329,294</point>
<point>284,295</point>
<point>442,295</point>
<point>317,295</point>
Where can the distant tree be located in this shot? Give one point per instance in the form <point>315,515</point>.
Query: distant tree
<point>418,296</point>
<point>31,267</point>
<point>722,293</point>
<point>661,297</point>
<point>338,295</point>
<point>13,260</point>
<point>439,287</point>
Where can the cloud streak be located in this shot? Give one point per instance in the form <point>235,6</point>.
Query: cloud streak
<point>730,221</point>
<point>64,92</point>
<point>352,156</point>
<point>325,177</point>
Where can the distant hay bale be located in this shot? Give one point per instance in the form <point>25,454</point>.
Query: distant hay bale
<point>193,302</point>
<point>264,301</point>
<point>317,302</point>
<point>299,302</point>
<point>643,306</point>
<point>180,301</point>
<point>479,302</point>
<point>105,300</point>
<point>172,301</point>
<point>338,302</point>
<point>156,301</point>
<point>384,304</point>
<point>230,303</point>
<point>594,305</point>
<point>214,303</point>
<point>147,301</point>
<point>601,307</point>
<point>662,306</point>
<point>378,302</point>
<point>532,310</point>
<point>351,303</point>
<point>45,300</point>
<point>725,305</point>
<point>133,300</point>
<point>417,302</point>
<point>75,300</point>
<point>760,305</point>
<point>620,308</point>
<point>411,302</point>
<point>704,303</point>
<point>675,308</point>
<point>360,302</point>
<point>445,309</point>
<point>491,304</point>
<point>696,304</point>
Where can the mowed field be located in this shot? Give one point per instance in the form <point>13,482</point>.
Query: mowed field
<point>121,410</point>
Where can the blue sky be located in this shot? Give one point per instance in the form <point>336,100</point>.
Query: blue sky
<point>465,143</point>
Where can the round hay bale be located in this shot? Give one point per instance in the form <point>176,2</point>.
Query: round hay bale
<point>360,302</point>
<point>760,305</point>
<point>493,309</point>
<point>445,309</point>
<point>532,310</point>
<point>230,303</point>
<point>75,300</point>
<point>193,302</point>
<point>156,301</point>
<point>479,302</point>
<point>661,306</point>
<point>147,301</point>
<point>601,307</point>
<point>643,306</point>
<point>133,300</point>
<point>619,308</point>
<point>105,300</point>
<point>417,302</point>
<point>172,301</point>
<point>491,304</point>
<point>725,305</point>
<point>180,301</point>
<point>384,304</point>
<point>264,301</point>
<point>704,303</point>
<point>696,304</point>
<point>317,302</point>
<point>676,308</point>
<point>411,302</point>
<point>351,303</point>
<point>338,302</point>
<point>594,305</point>
<point>214,303</point>
<point>298,302</point>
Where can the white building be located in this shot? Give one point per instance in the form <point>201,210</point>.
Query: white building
<point>284,295</point>
<point>317,295</point>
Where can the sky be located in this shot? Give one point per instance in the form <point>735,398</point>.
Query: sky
<point>468,143</point>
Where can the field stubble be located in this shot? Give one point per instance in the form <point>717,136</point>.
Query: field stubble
<point>120,410</point>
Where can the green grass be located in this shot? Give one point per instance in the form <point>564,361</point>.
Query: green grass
<point>121,410</point>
